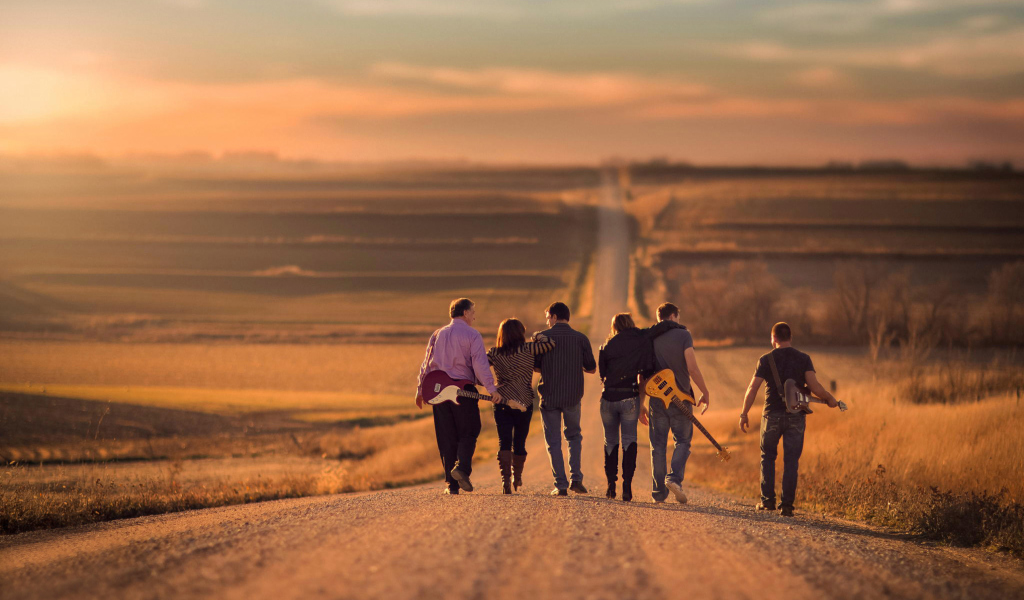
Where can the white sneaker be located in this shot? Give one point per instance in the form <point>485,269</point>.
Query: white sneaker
<point>676,489</point>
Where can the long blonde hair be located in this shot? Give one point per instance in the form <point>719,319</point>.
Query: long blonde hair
<point>621,322</point>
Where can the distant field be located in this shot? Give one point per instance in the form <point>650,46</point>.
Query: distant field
<point>792,234</point>
<point>329,258</point>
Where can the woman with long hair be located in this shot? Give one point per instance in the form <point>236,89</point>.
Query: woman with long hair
<point>625,359</point>
<point>512,359</point>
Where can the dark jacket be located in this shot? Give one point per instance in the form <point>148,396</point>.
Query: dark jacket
<point>628,354</point>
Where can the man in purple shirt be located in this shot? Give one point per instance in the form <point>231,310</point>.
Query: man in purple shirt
<point>458,350</point>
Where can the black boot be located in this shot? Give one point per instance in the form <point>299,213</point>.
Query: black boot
<point>611,469</point>
<point>505,466</point>
<point>628,468</point>
<point>518,463</point>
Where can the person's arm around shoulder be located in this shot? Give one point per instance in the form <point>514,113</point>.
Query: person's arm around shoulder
<point>589,364</point>
<point>698,378</point>
<point>819,390</point>
<point>540,344</point>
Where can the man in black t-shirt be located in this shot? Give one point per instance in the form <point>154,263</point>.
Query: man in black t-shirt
<point>776,423</point>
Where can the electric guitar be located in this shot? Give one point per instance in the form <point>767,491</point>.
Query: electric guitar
<point>438,387</point>
<point>797,401</point>
<point>662,385</point>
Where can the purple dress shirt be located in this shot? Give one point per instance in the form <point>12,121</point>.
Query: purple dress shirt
<point>458,350</point>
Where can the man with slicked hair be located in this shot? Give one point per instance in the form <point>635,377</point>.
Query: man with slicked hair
<point>561,391</point>
<point>458,350</point>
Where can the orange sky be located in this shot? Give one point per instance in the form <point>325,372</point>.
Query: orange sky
<point>517,80</point>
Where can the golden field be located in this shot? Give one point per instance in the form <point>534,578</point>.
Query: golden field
<point>215,342</point>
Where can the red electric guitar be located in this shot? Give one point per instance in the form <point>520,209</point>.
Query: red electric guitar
<point>438,387</point>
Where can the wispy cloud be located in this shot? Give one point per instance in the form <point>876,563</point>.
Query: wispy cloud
<point>560,89</point>
<point>966,56</point>
<point>856,16</point>
<point>497,9</point>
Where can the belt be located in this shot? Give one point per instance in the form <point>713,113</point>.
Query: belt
<point>629,389</point>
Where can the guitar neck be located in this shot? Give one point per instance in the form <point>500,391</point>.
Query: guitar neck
<point>473,395</point>
<point>688,411</point>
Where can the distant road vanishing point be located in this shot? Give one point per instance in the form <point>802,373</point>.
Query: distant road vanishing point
<point>417,543</point>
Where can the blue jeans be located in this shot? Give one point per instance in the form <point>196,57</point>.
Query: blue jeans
<point>552,419</point>
<point>661,421</point>
<point>789,427</point>
<point>619,415</point>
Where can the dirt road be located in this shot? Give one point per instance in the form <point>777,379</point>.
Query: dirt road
<point>417,543</point>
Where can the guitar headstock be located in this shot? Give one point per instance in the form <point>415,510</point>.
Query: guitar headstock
<point>724,454</point>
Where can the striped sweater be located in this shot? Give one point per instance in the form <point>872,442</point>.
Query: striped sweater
<point>514,372</point>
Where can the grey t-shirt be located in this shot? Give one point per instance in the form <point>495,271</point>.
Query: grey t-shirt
<point>668,354</point>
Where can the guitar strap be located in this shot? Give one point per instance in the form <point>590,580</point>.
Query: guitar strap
<point>775,374</point>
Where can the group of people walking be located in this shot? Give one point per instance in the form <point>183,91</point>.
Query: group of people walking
<point>563,356</point>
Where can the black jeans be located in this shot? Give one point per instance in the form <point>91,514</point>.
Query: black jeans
<point>457,426</point>
<point>513,427</point>
<point>789,427</point>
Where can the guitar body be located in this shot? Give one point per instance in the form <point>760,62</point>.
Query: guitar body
<point>797,401</point>
<point>662,385</point>
<point>438,387</point>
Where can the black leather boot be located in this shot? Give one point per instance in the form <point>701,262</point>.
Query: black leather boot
<point>628,469</point>
<point>505,466</point>
<point>518,463</point>
<point>611,469</point>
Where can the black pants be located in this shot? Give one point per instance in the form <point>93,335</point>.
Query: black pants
<point>513,427</point>
<point>457,426</point>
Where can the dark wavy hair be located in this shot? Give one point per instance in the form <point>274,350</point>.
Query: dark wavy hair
<point>511,336</point>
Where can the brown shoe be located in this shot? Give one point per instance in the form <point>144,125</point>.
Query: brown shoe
<point>463,480</point>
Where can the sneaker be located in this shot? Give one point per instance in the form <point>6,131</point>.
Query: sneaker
<point>577,486</point>
<point>463,480</point>
<point>676,489</point>
<point>659,501</point>
<point>765,506</point>
<point>558,492</point>
<point>787,511</point>
<point>450,491</point>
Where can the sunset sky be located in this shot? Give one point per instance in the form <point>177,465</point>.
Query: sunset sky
<point>723,82</point>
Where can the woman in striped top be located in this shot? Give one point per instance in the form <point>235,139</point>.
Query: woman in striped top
<point>512,360</point>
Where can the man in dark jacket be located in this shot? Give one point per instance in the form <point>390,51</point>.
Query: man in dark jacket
<point>561,391</point>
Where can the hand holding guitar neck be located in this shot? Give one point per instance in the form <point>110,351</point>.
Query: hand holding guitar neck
<point>438,387</point>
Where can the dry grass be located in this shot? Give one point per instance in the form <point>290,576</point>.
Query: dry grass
<point>927,468</point>
<point>39,497</point>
